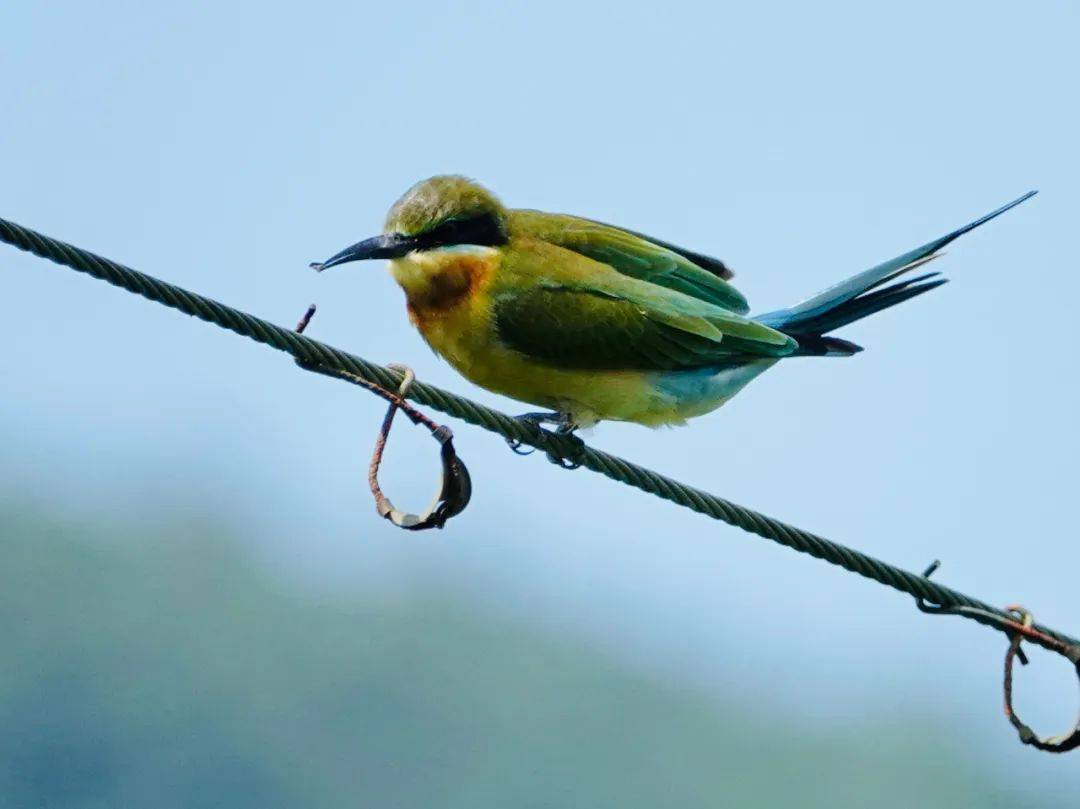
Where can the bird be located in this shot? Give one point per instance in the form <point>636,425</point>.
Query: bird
<point>596,322</point>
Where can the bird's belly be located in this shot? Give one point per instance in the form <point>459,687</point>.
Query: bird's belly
<point>702,390</point>
<point>464,337</point>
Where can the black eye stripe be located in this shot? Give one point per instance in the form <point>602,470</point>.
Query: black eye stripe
<point>485,230</point>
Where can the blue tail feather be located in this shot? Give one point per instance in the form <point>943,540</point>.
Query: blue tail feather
<point>860,296</point>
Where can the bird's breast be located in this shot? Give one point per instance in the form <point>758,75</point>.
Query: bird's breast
<point>445,295</point>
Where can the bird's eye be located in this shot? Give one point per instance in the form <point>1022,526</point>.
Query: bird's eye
<point>484,229</point>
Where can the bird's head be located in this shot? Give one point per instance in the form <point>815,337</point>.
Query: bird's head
<point>442,211</point>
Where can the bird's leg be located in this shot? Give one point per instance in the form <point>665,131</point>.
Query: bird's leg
<point>533,422</point>
<point>562,421</point>
<point>565,426</point>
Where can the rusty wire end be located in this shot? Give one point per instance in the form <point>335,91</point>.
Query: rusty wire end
<point>1018,626</point>
<point>1023,628</point>
<point>455,490</point>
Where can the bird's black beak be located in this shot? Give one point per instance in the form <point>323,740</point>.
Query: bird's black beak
<point>388,245</point>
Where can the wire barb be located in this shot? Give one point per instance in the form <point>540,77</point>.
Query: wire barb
<point>988,617</point>
<point>331,361</point>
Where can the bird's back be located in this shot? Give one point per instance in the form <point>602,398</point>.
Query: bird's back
<point>634,254</point>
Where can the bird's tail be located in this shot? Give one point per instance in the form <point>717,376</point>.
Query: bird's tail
<point>863,294</point>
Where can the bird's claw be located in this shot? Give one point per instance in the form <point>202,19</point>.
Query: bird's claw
<point>565,461</point>
<point>530,421</point>
<point>518,448</point>
<point>564,432</point>
<point>564,429</point>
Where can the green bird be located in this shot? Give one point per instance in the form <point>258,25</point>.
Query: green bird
<point>598,322</point>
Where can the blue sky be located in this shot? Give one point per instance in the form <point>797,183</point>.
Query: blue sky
<point>224,146</point>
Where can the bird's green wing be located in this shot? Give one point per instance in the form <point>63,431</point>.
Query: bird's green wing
<point>635,255</point>
<point>564,309</point>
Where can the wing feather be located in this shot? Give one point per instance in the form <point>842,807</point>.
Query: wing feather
<point>635,255</point>
<point>562,308</point>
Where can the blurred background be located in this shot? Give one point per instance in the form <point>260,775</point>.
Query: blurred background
<point>198,605</point>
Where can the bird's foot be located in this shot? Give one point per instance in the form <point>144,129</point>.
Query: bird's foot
<point>564,426</point>
<point>577,445</point>
<point>532,422</point>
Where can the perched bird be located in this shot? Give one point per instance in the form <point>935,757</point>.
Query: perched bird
<point>598,322</point>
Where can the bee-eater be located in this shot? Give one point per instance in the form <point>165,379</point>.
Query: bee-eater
<point>599,322</point>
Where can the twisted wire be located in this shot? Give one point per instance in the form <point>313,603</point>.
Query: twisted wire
<point>305,349</point>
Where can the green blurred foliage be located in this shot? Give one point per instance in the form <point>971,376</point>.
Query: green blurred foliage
<point>166,669</point>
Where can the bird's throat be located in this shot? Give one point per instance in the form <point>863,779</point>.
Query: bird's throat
<point>437,281</point>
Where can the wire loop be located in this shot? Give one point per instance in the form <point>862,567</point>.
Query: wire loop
<point>455,488</point>
<point>1071,652</point>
